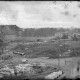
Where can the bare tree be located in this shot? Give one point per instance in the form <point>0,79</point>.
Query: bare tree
<point>2,39</point>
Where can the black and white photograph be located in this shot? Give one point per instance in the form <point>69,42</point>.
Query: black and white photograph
<point>39,40</point>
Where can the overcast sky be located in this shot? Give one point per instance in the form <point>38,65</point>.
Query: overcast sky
<point>39,14</point>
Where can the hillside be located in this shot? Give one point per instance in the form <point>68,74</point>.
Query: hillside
<point>10,29</point>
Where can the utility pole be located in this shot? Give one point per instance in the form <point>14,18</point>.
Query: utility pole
<point>58,57</point>
<point>59,54</point>
<point>64,41</point>
<point>64,46</point>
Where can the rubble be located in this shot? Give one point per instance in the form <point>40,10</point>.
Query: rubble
<point>1,76</point>
<point>27,69</point>
<point>6,71</point>
<point>54,75</point>
<point>24,68</point>
<point>24,60</point>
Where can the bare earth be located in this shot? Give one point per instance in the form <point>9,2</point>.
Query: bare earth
<point>68,65</point>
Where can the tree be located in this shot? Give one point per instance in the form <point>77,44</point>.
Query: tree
<point>65,36</point>
<point>2,39</point>
<point>75,37</point>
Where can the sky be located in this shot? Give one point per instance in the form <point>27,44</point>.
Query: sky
<point>40,14</point>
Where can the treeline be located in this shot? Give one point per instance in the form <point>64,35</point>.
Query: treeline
<point>29,32</point>
<point>41,32</point>
<point>32,32</point>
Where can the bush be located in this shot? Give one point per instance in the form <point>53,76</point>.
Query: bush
<point>6,56</point>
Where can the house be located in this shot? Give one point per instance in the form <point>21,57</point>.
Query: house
<point>75,36</point>
<point>61,35</point>
<point>58,34</point>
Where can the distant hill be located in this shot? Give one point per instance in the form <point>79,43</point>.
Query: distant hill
<point>10,29</point>
<point>10,32</point>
